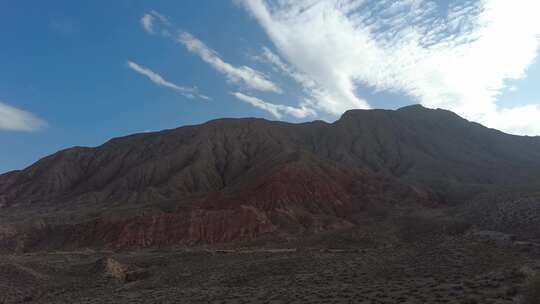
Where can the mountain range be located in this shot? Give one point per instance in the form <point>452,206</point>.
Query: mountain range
<point>232,180</point>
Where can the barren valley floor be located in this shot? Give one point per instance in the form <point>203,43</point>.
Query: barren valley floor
<point>448,269</point>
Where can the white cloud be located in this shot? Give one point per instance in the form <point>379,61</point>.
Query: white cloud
<point>459,60</point>
<point>274,59</point>
<point>14,119</point>
<point>240,75</point>
<point>159,80</point>
<point>522,120</point>
<point>161,17</point>
<point>147,22</point>
<point>149,25</point>
<point>317,95</point>
<point>277,110</point>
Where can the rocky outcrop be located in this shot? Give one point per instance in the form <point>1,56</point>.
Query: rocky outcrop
<point>124,272</point>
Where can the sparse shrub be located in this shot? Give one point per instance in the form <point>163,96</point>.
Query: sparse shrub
<point>511,291</point>
<point>470,301</point>
<point>377,210</point>
<point>532,292</point>
<point>455,227</point>
<point>413,228</point>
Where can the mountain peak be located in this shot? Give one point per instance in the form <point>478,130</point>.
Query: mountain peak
<point>377,114</point>
<point>415,107</point>
<point>355,113</point>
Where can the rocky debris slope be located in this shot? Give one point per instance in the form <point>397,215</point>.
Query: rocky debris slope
<point>515,213</point>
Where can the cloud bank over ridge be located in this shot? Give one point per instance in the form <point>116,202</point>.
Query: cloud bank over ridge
<point>460,59</point>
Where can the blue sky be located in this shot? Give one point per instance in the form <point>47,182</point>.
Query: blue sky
<point>79,73</point>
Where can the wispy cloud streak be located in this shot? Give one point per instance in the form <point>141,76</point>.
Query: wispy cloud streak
<point>189,92</point>
<point>147,23</point>
<point>243,75</point>
<point>277,110</point>
<point>240,75</point>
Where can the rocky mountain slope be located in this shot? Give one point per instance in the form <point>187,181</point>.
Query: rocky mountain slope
<point>241,179</point>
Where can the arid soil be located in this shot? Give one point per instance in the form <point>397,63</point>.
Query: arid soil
<point>368,265</point>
